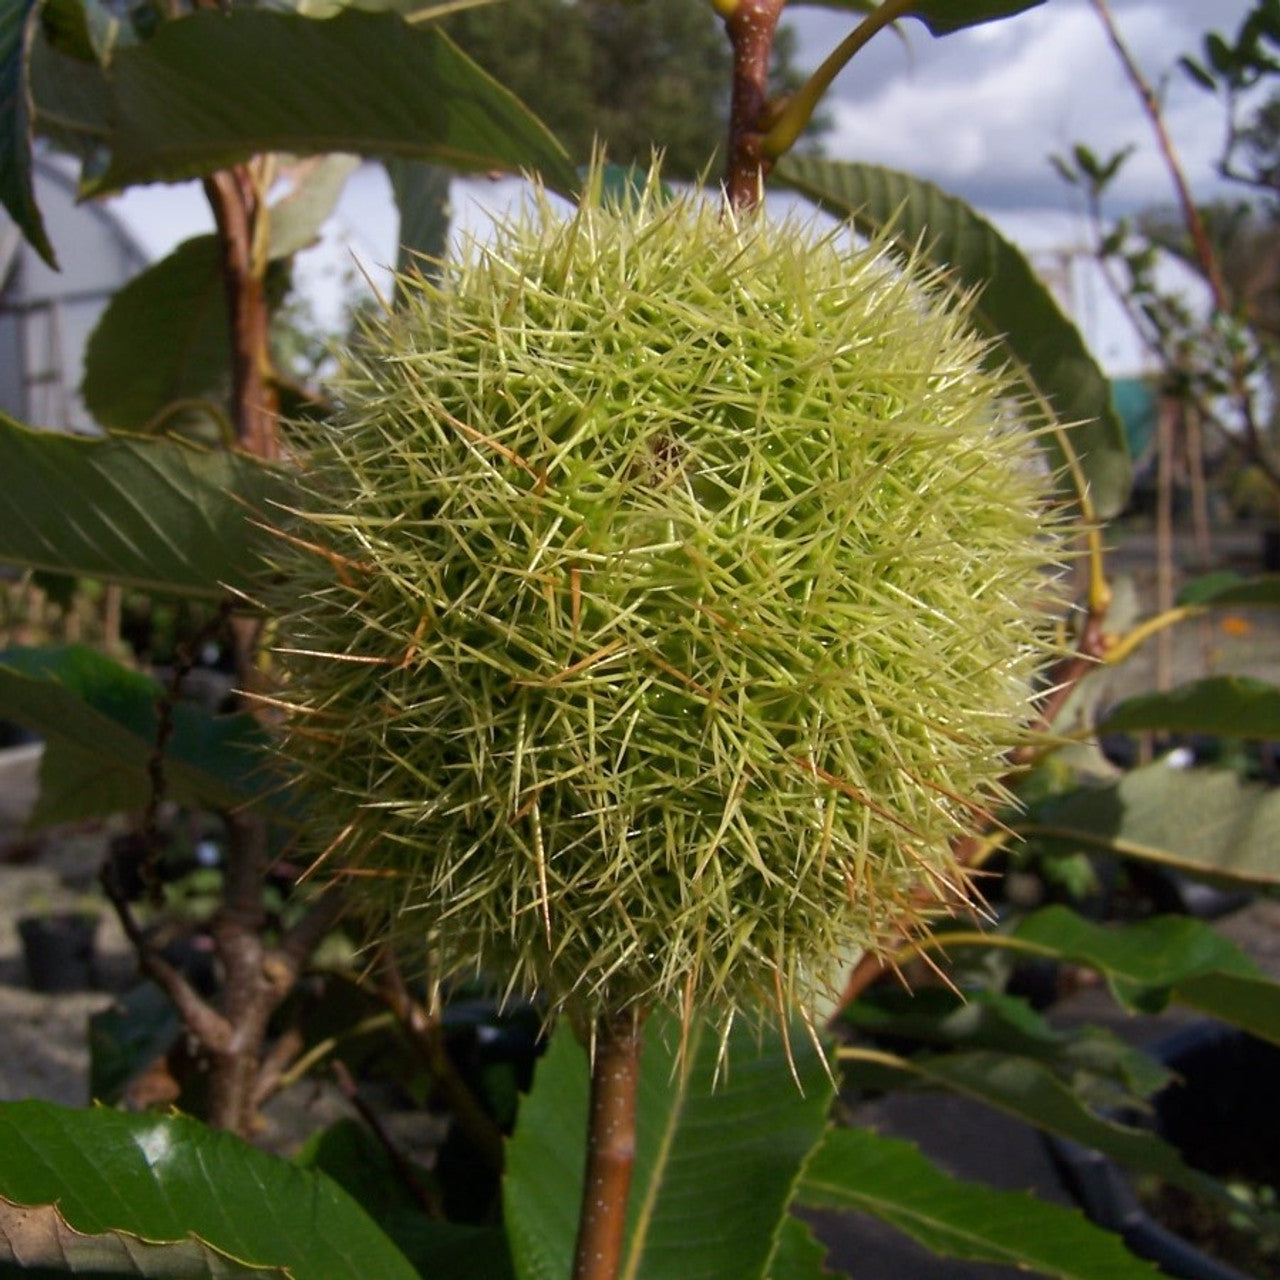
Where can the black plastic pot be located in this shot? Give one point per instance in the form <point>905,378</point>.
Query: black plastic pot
<point>1222,1113</point>
<point>59,950</point>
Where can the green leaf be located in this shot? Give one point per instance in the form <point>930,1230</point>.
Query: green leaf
<point>799,1254</point>
<point>154,514</point>
<point>706,1155</point>
<point>422,196</point>
<point>1089,1057</point>
<point>889,1179</point>
<point>99,722</point>
<point>297,217</point>
<point>18,21</point>
<point>942,17</point>
<point>1204,821</point>
<point>163,338</point>
<point>170,1180</point>
<point>362,83</point>
<point>1012,307</point>
<point>1225,588</point>
<point>38,1237</point>
<point>1226,706</point>
<point>1029,1091</point>
<point>1151,962</point>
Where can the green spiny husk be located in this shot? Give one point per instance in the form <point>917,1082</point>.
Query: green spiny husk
<point>669,592</point>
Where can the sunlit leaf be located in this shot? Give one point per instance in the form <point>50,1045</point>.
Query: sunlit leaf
<point>170,1180</point>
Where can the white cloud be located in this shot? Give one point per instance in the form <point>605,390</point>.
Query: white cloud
<point>980,111</point>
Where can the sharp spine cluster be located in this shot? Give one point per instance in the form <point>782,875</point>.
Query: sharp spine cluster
<point>668,593</point>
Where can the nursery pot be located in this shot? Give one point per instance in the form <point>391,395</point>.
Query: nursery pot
<point>1223,1115</point>
<point>59,950</point>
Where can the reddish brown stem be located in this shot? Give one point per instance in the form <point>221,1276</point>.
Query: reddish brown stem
<point>611,1146</point>
<point>233,195</point>
<point>751,26</point>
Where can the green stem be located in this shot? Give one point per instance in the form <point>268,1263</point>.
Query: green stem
<point>797,113</point>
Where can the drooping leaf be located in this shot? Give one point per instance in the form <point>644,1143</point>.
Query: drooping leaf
<point>170,1180</point>
<point>71,102</point>
<point>1226,706</point>
<point>1205,821</point>
<point>1150,962</point>
<point>100,722</point>
<point>1012,306</point>
<point>361,83</point>
<point>706,1155</point>
<point>942,17</point>
<point>889,1179</point>
<point>38,1236</point>
<point>296,218</point>
<point>1029,1091</point>
<point>18,19</point>
<point>163,338</point>
<point>154,514</point>
<point>422,196</point>
<point>1091,1058</point>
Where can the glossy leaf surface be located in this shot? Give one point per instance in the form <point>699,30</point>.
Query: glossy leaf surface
<point>706,1156</point>
<point>168,1179</point>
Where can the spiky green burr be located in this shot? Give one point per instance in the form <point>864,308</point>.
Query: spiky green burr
<point>667,595</point>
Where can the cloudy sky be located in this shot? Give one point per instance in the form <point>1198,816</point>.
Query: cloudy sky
<point>979,111</point>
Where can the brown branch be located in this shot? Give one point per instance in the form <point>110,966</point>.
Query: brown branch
<point>237,208</point>
<point>751,25</point>
<point>426,1199</point>
<point>611,1146</point>
<point>424,1032</point>
<point>1151,105</point>
<point>210,1029</point>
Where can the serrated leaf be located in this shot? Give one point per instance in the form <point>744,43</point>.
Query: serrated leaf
<point>99,722</point>
<point>296,218</point>
<point>1029,1091</point>
<point>164,337</point>
<point>168,1179</point>
<point>1012,306</point>
<point>1225,706</point>
<point>706,1155</point>
<point>154,514</point>
<point>359,82</point>
<point>1204,821</point>
<point>18,20</point>
<point>38,1236</point>
<point>1151,962</point>
<point>889,1179</point>
<point>799,1254</point>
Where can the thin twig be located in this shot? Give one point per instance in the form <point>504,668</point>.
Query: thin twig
<point>424,1032</point>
